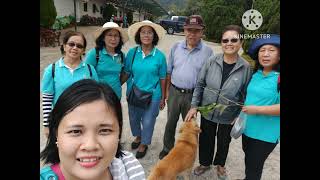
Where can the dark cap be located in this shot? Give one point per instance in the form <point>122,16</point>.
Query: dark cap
<point>194,22</point>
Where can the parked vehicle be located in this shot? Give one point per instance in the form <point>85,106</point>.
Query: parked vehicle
<point>175,24</point>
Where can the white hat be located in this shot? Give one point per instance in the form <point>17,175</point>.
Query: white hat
<point>112,25</point>
<point>133,29</point>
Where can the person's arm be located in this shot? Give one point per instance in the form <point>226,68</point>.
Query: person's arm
<point>123,77</point>
<point>266,110</point>
<point>169,70</point>
<point>47,89</point>
<point>47,100</point>
<point>90,58</point>
<point>168,83</point>
<point>162,76</point>
<point>163,91</point>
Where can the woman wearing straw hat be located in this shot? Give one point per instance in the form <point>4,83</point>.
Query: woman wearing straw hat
<point>262,105</point>
<point>147,66</point>
<point>107,57</point>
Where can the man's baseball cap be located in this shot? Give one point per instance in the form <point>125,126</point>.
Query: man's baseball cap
<point>194,22</point>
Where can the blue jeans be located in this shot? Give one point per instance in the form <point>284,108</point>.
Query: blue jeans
<point>142,121</point>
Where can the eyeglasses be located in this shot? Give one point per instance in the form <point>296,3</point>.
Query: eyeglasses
<point>150,33</point>
<point>72,44</point>
<point>114,36</point>
<point>233,40</point>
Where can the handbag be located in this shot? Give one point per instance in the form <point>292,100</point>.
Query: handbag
<point>239,126</point>
<point>138,97</point>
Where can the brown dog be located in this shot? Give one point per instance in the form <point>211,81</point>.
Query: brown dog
<point>181,158</point>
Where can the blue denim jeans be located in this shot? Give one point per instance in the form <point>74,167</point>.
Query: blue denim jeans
<point>142,121</point>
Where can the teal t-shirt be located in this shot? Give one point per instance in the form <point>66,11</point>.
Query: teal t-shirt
<point>147,70</point>
<point>108,68</point>
<point>47,173</point>
<point>262,91</point>
<point>64,77</point>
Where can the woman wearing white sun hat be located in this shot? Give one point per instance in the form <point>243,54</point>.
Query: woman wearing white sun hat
<point>107,57</point>
<point>147,66</point>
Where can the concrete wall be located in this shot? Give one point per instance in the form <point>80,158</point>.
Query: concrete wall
<point>66,8</point>
<point>136,16</point>
<point>89,12</point>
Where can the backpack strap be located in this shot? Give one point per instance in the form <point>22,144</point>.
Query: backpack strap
<point>53,69</point>
<point>89,70</point>
<point>97,55</point>
<point>134,55</point>
<point>122,57</point>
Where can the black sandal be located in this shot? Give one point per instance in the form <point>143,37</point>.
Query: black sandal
<point>135,145</point>
<point>141,154</point>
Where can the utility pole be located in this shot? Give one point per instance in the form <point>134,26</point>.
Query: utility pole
<point>75,15</point>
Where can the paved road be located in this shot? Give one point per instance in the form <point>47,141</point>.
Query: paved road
<point>234,163</point>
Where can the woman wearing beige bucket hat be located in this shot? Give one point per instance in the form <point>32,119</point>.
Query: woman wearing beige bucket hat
<point>107,57</point>
<point>147,66</point>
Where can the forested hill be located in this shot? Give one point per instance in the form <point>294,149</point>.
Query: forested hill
<point>180,4</point>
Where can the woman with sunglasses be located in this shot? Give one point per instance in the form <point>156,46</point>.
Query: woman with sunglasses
<point>262,106</point>
<point>107,57</point>
<point>64,72</point>
<point>222,80</point>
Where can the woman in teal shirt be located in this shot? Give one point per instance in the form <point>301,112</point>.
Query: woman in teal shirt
<point>107,57</point>
<point>149,72</point>
<point>262,106</point>
<point>64,72</point>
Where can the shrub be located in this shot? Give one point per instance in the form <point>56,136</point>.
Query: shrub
<point>63,22</point>
<point>87,20</point>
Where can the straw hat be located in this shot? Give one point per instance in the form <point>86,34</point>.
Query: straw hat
<point>112,25</point>
<point>133,29</point>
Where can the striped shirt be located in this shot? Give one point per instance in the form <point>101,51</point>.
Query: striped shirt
<point>127,167</point>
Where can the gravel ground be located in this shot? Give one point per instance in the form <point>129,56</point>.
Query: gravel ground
<point>235,160</point>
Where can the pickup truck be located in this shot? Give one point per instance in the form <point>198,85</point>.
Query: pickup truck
<point>175,24</point>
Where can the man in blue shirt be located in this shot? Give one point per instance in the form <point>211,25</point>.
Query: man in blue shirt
<point>185,61</point>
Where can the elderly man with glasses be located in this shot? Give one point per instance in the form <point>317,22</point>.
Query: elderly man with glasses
<point>185,61</point>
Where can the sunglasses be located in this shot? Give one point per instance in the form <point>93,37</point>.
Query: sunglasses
<point>72,44</point>
<point>233,40</point>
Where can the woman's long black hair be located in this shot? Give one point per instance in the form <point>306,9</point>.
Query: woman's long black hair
<point>80,92</point>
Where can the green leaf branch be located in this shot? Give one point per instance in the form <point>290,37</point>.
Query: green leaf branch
<point>205,110</point>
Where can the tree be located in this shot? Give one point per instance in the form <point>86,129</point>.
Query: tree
<point>219,13</point>
<point>193,7</point>
<point>129,17</point>
<point>48,13</point>
<point>270,11</point>
<point>108,11</point>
